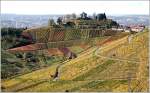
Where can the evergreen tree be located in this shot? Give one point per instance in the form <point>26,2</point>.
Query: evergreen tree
<point>59,21</point>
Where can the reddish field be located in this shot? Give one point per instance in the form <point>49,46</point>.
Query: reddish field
<point>27,48</point>
<point>54,51</point>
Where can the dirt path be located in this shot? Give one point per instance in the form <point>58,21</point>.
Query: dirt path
<point>57,72</point>
<point>98,50</point>
<point>86,54</point>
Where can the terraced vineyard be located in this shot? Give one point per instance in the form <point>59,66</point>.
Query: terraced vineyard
<point>118,65</point>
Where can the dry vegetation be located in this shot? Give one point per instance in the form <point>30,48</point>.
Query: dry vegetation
<point>90,72</point>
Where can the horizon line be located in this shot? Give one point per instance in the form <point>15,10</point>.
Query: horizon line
<point>71,13</point>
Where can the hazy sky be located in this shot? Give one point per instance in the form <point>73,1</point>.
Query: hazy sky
<point>67,7</point>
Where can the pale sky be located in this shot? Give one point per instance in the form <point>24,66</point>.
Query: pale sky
<point>67,7</point>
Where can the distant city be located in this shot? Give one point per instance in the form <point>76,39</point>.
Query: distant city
<point>29,21</point>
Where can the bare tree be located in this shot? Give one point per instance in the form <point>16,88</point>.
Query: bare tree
<point>94,15</point>
<point>51,22</point>
<point>74,16</point>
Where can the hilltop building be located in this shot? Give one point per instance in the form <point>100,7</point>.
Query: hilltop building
<point>84,21</point>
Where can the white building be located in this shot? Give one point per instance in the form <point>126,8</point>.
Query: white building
<point>137,29</point>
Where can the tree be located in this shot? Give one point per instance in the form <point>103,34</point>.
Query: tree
<point>94,15</point>
<point>70,24</point>
<point>83,15</point>
<point>74,16</point>
<point>101,16</point>
<point>104,16</point>
<point>59,20</point>
<point>68,16</point>
<point>51,22</point>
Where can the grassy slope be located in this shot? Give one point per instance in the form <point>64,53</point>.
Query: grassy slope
<point>80,74</point>
<point>21,81</point>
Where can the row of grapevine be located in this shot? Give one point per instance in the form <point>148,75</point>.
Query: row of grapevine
<point>128,49</point>
<point>61,34</point>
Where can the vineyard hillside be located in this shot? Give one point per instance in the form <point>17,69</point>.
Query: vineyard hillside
<point>117,65</point>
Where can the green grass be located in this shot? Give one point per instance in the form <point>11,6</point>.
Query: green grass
<point>95,71</point>
<point>99,86</point>
<point>54,86</point>
<point>76,49</point>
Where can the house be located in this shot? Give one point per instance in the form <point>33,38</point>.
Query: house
<point>137,28</point>
<point>117,28</point>
<point>121,28</point>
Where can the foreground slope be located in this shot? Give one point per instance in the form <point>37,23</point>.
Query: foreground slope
<point>119,65</point>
